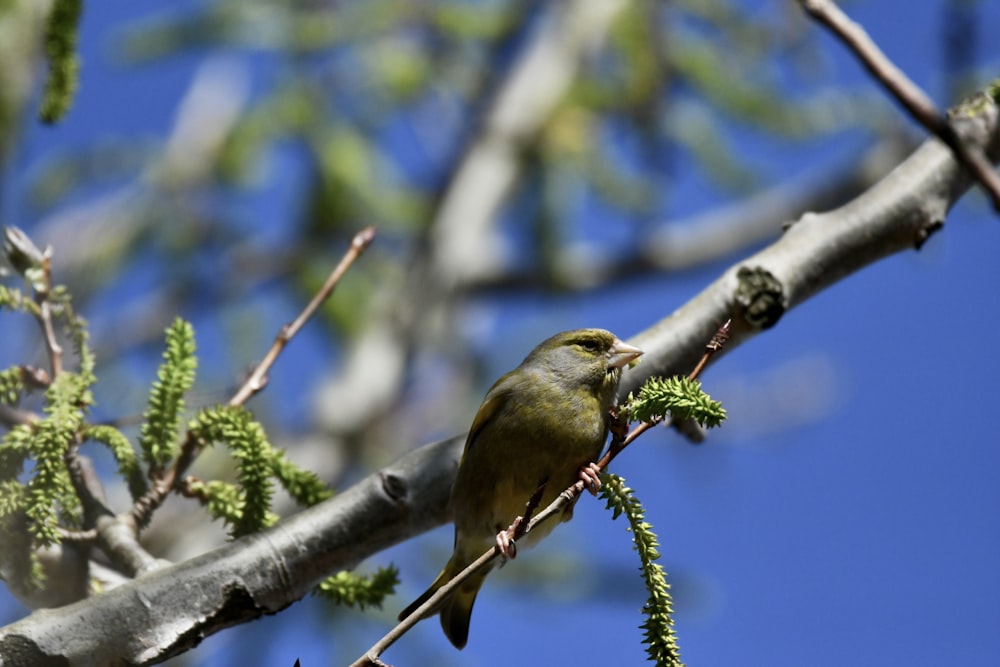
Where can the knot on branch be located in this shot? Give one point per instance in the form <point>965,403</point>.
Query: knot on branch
<point>761,297</point>
<point>394,486</point>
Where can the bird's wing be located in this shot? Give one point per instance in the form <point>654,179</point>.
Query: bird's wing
<point>494,402</point>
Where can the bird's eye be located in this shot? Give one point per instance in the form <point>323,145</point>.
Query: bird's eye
<point>589,345</point>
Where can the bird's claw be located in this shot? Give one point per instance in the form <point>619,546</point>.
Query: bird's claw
<point>506,545</point>
<point>590,475</point>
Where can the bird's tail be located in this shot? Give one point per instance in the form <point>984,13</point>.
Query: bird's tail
<point>456,609</point>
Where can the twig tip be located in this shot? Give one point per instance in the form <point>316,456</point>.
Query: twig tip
<point>364,238</point>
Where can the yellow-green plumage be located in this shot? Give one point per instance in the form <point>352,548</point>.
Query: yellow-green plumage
<point>539,424</point>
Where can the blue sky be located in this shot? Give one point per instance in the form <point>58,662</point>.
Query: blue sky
<point>846,513</point>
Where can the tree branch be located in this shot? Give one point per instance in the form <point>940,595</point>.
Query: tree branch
<point>258,379</point>
<point>899,213</point>
<point>172,609</point>
<point>143,508</point>
<point>905,91</point>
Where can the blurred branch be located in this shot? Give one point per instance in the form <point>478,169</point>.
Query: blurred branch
<point>462,244</point>
<point>64,64</point>
<point>721,232</point>
<point>678,245</point>
<point>22,26</point>
<point>906,92</point>
<point>299,28</point>
<point>899,213</point>
<point>11,416</point>
<point>172,609</point>
<point>109,226</point>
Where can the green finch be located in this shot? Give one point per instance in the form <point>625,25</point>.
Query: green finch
<point>542,424</point>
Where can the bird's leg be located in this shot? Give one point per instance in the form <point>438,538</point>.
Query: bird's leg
<point>506,546</point>
<point>590,475</point>
<point>506,539</point>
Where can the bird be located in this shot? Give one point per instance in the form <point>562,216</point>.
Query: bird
<point>542,425</point>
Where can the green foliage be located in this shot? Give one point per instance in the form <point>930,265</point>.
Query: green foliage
<point>359,591</point>
<point>11,298</point>
<point>20,564</point>
<point>160,432</point>
<point>11,385</point>
<point>302,485</point>
<point>11,497</point>
<point>287,110</point>
<point>678,397</point>
<point>76,329</point>
<point>32,511</point>
<point>658,628</point>
<point>64,65</point>
<point>124,453</point>
<point>251,450</point>
<point>246,505</point>
<point>15,448</point>
<point>49,482</point>
<point>222,499</point>
<point>248,509</point>
<point>38,506</point>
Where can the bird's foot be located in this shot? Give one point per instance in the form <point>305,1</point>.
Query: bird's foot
<point>590,475</point>
<point>506,545</point>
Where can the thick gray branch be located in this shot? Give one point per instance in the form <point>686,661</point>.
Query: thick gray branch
<point>899,213</point>
<point>172,609</point>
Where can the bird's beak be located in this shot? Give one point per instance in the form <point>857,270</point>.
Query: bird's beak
<point>622,354</point>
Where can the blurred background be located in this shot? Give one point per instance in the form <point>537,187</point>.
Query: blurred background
<point>533,167</point>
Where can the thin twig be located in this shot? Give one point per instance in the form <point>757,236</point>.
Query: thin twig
<point>143,508</point>
<point>907,93</point>
<point>557,506</point>
<point>258,378</point>
<point>11,417</point>
<point>718,341</point>
<point>45,320</point>
<point>28,260</point>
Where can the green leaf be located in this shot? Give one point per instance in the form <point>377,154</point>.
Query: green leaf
<point>160,432</point>
<point>354,590</point>
<point>677,397</point>
<point>64,65</point>
<point>15,448</point>
<point>658,628</point>
<point>12,298</point>
<point>11,385</point>
<point>49,483</point>
<point>302,485</point>
<point>124,453</point>
<point>247,443</point>
<point>221,499</point>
